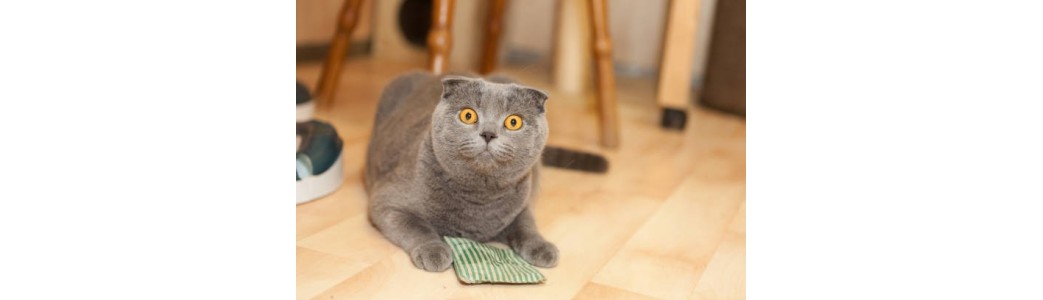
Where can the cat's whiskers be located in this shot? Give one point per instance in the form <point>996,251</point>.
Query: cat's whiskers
<point>471,149</point>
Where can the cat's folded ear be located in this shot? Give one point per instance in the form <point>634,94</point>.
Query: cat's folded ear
<point>538,96</point>
<point>452,84</point>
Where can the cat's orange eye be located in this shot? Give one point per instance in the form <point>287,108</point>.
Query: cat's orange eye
<point>468,116</point>
<point>513,122</point>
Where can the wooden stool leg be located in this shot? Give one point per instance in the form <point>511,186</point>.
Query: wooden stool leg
<point>331,69</point>
<point>606,78</point>
<point>493,28</point>
<point>440,39</point>
<point>675,75</point>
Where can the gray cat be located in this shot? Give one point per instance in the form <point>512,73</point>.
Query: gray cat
<point>457,156</point>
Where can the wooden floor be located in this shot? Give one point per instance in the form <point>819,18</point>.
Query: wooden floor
<point>667,221</point>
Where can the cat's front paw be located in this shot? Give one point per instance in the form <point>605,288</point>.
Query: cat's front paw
<point>539,253</point>
<point>433,256</point>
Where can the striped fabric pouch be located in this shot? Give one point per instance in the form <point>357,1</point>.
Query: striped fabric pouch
<point>479,263</point>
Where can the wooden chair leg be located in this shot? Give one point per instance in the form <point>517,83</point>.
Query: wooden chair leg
<point>331,69</point>
<point>440,39</point>
<point>493,28</point>
<point>605,78</point>
<point>675,75</point>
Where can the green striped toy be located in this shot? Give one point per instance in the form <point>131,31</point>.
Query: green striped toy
<point>479,263</point>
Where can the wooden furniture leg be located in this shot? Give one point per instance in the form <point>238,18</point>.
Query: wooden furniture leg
<point>331,69</point>
<point>440,40</point>
<point>493,28</point>
<point>572,63</point>
<point>605,77</point>
<point>675,75</point>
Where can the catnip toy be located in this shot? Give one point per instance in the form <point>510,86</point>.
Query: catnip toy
<point>479,263</point>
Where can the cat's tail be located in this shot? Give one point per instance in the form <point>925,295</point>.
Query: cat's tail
<point>575,160</point>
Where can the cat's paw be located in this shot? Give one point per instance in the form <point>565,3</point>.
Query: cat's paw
<point>433,256</point>
<point>539,253</point>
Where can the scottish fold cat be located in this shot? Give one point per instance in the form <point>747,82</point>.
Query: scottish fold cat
<point>460,156</point>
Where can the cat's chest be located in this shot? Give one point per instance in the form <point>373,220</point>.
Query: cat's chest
<point>478,216</point>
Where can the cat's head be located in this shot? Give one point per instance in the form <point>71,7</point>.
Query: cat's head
<point>488,128</point>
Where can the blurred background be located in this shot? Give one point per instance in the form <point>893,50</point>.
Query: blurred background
<point>535,33</point>
<point>637,29</point>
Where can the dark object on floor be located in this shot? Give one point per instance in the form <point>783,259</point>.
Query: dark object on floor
<point>320,170</point>
<point>572,159</point>
<point>725,85</point>
<point>674,118</point>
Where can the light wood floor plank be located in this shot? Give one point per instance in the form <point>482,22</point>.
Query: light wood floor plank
<point>318,271</point>
<point>320,214</point>
<point>353,237</point>
<point>393,277</point>
<point>725,276</point>
<point>594,291</point>
<point>668,255</point>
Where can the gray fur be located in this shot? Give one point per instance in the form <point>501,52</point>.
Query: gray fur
<point>428,174</point>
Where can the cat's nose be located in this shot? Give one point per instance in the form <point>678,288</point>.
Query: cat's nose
<point>488,136</point>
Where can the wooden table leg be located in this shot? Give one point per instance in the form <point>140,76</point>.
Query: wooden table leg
<point>675,71</point>
<point>605,77</point>
<point>331,69</point>
<point>440,39</point>
<point>493,28</point>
